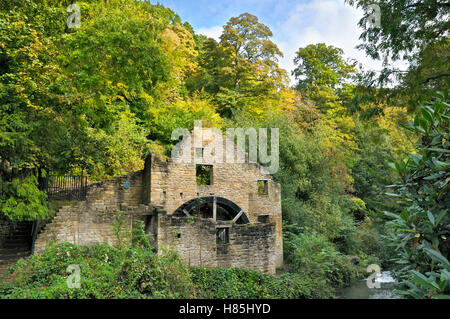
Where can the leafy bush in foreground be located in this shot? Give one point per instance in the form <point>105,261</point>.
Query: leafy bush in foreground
<point>106,272</point>
<point>420,232</point>
<point>250,284</point>
<point>137,272</point>
<point>311,255</point>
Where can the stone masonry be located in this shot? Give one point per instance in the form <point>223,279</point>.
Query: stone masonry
<point>92,220</point>
<point>173,184</point>
<point>157,192</point>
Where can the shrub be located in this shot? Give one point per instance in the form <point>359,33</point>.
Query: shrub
<point>311,255</point>
<point>22,200</point>
<point>106,272</point>
<point>136,272</point>
<point>237,283</point>
<point>420,232</point>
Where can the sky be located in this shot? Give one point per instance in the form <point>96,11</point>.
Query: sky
<point>294,23</point>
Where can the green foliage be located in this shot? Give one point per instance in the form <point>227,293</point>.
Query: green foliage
<point>182,114</point>
<point>319,65</point>
<point>411,25</point>
<point>100,97</point>
<point>136,272</point>
<point>253,56</point>
<point>242,67</point>
<point>203,174</point>
<point>420,232</point>
<point>36,127</point>
<point>22,200</point>
<point>262,187</point>
<point>82,99</point>
<point>312,256</point>
<point>138,237</point>
<point>413,31</point>
<point>106,272</point>
<point>238,283</point>
<point>112,68</point>
<point>121,148</point>
<point>322,223</point>
<point>123,237</point>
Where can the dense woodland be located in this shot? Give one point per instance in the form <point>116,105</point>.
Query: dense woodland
<point>364,155</point>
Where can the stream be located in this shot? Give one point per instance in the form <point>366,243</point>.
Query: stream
<point>359,289</point>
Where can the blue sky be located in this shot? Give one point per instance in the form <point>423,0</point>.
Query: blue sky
<point>294,23</point>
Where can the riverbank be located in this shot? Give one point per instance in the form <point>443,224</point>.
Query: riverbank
<point>360,289</point>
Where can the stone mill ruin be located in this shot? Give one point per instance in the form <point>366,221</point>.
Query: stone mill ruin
<point>213,214</point>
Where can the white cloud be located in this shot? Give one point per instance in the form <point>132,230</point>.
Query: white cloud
<point>329,21</point>
<point>212,32</point>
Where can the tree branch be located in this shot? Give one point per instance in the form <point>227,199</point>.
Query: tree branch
<point>434,77</point>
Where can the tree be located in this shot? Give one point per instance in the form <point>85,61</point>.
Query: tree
<point>429,72</point>
<point>214,72</point>
<point>410,30</point>
<point>80,99</point>
<point>248,43</point>
<point>320,65</point>
<point>242,67</point>
<point>406,25</point>
<point>420,232</point>
<point>322,73</point>
<point>35,119</point>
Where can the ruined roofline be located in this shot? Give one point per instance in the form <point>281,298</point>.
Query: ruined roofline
<point>263,170</point>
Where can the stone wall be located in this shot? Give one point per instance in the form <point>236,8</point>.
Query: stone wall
<point>158,191</point>
<point>172,184</point>
<point>250,246</point>
<point>91,221</point>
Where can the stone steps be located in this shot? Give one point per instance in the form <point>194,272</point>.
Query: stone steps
<point>18,236</point>
<point>8,259</point>
<point>57,218</point>
<point>54,225</point>
<point>91,220</point>
<point>16,246</point>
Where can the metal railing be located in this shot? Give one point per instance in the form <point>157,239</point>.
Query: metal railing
<point>67,187</point>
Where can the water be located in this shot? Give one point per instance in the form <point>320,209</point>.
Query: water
<point>359,290</point>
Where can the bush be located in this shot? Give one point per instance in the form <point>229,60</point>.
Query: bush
<point>419,233</point>
<point>250,284</point>
<point>133,270</point>
<point>106,272</point>
<point>136,272</point>
<point>22,200</point>
<point>311,255</point>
